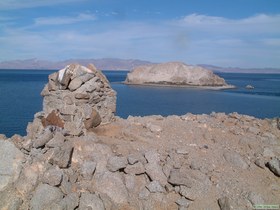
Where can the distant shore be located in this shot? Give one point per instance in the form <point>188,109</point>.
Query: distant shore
<point>183,86</point>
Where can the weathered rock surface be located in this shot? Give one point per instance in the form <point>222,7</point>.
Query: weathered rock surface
<point>174,73</point>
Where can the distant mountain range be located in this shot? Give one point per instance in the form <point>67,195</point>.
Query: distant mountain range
<point>116,64</point>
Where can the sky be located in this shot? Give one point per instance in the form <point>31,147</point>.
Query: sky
<point>227,33</point>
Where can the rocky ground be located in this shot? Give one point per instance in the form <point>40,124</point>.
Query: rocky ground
<point>191,162</point>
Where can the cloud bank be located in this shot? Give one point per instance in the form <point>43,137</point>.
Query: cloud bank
<point>249,42</point>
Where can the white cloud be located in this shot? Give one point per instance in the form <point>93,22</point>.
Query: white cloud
<point>248,42</point>
<point>19,4</point>
<point>64,20</point>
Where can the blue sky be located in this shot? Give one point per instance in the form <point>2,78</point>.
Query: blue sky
<point>243,33</point>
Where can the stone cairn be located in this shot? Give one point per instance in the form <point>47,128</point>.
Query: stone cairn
<point>76,99</point>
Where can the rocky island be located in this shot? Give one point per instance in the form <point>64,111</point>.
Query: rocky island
<point>78,155</point>
<point>176,74</point>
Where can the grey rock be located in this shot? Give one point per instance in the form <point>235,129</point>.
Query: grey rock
<point>116,163</point>
<point>28,179</point>
<point>155,187</point>
<point>43,138</point>
<point>90,201</point>
<point>75,84</point>
<point>189,193</point>
<point>144,194</point>
<point>178,178</point>
<point>274,166</point>
<point>154,171</point>
<point>11,159</point>
<point>9,200</point>
<point>111,184</point>
<point>137,168</point>
<point>56,141</point>
<point>154,128</point>
<point>70,201</point>
<point>183,202</point>
<point>44,196</point>
<point>87,169</point>
<point>53,177</point>
<point>260,163</point>
<point>62,155</point>
<point>152,156</point>
<point>224,203</point>
<point>136,157</point>
<point>255,198</point>
<point>235,159</point>
<point>93,121</point>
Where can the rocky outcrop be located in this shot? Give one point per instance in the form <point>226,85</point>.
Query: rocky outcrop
<point>191,162</point>
<point>175,73</point>
<point>76,99</point>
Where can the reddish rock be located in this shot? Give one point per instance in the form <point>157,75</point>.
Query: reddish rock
<point>53,119</point>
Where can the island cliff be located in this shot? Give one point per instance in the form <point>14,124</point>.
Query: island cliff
<point>175,74</point>
<point>78,155</point>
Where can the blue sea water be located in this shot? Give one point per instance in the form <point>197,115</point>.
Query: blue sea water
<point>20,97</point>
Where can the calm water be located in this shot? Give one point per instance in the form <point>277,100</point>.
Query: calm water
<point>20,97</point>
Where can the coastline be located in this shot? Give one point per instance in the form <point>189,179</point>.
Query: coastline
<point>183,86</point>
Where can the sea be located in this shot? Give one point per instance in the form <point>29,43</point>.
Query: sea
<point>20,97</point>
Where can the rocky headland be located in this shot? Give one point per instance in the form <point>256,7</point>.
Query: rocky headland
<point>175,74</point>
<point>78,155</point>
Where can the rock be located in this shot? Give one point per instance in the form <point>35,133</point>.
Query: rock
<point>75,84</point>
<point>9,200</point>
<point>152,156</point>
<point>178,178</point>
<point>93,121</point>
<point>249,87</point>
<point>53,119</point>
<point>56,141</point>
<point>274,166</point>
<point>137,168</point>
<point>155,187</point>
<point>87,169</point>
<point>255,198</point>
<point>70,201</point>
<point>61,156</point>
<point>43,138</point>
<point>112,185</point>
<point>183,202</point>
<point>44,196</point>
<point>29,178</point>
<point>116,163</point>
<point>11,159</point>
<point>224,203</point>
<point>53,177</point>
<point>154,171</point>
<point>154,128</point>
<point>174,73</point>
<point>90,201</point>
<point>235,159</point>
<point>136,157</point>
<point>189,193</point>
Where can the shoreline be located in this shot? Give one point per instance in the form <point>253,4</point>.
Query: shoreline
<point>183,86</point>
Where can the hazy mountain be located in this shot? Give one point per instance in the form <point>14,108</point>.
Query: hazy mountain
<point>116,64</point>
<point>104,63</point>
<point>241,70</point>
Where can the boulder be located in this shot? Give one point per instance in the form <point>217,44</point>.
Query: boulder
<point>274,166</point>
<point>90,201</point>
<point>11,159</point>
<point>116,163</point>
<point>174,73</point>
